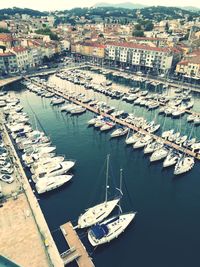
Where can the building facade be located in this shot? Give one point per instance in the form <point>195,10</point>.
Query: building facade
<point>8,63</point>
<point>145,57</point>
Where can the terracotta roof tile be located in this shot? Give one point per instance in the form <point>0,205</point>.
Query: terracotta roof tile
<point>139,46</point>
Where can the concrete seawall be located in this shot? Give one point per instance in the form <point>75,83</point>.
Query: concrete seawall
<point>49,244</point>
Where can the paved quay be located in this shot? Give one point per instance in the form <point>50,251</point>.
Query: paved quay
<point>20,239</point>
<point>7,81</point>
<point>25,236</point>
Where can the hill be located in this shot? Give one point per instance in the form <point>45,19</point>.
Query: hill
<point>17,10</point>
<point>127,5</point>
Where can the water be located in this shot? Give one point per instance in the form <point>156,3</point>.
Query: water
<point>166,230</point>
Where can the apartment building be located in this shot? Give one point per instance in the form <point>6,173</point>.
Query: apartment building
<point>22,57</point>
<point>147,57</point>
<point>8,63</point>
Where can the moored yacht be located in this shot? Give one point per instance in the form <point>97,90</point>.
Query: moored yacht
<point>109,229</point>
<point>51,182</point>
<point>171,159</point>
<point>119,132</point>
<point>183,165</point>
<point>159,154</point>
<point>100,211</point>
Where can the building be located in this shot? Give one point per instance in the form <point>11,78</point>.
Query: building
<point>8,63</point>
<point>142,56</point>
<point>22,57</point>
<point>90,49</point>
<point>190,65</point>
<point>6,40</point>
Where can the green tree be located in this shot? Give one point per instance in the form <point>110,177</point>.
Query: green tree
<point>138,27</point>
<point>2,30</point>
<point>138,33</point>
<point>148,26</point>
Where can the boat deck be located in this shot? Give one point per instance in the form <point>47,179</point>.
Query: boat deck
<point>77,250</point>
<point>119,121</point>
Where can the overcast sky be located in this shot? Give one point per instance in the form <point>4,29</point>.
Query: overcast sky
<point>68,4</point>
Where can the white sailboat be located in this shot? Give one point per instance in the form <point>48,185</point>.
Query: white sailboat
<point>171,159</point>
<point>183,165</point>
<point>100,211</point>
<point>159,154</point>
<point>119,132</point>
<point>111,228</point>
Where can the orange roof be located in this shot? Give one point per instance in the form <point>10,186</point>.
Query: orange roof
<point>19,49</point>
<point>6,37</point>
<point>149,38</point>
<point>7,54</point>
<point>185,62</point>
<point>139,46</point>
<point>93,44</point>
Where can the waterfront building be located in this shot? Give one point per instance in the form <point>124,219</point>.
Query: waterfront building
<point>8,63</point>
<point>22,57</point>
<point>146,57</point>
<point>190,65</point>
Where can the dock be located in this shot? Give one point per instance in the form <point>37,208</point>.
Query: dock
<point>119,121</point>
<point>76,251</point>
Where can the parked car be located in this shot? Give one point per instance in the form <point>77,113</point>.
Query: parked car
<point>6,178</point>
<point>6,170</point>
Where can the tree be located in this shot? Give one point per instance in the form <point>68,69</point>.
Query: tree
<point>2,30</point>
<point>148,26</point>
<point>138,33</point>
<point>138,27</point>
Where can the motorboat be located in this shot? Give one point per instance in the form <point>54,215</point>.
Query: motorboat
<point>49,183</point>
<point>183,165</point>
<point>54,170</point>
<point>44,163</point>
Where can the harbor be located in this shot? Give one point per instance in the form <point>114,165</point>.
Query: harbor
<point>66,132</point>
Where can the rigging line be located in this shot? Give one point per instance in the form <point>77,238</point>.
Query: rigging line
<point>36,116</point>
<point>128,195</point>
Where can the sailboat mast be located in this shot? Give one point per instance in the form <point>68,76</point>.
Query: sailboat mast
<point>120,190</point>
<point>107,169</point>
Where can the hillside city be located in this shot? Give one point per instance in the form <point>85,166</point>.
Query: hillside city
<point>99,134</point>
<point>153,40</point>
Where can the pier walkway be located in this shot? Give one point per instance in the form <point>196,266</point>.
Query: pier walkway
<point>119,121</point>
<point>10,80</point>
<point>77,250</point>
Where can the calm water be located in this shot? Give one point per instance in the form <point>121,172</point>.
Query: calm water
<point>166,230</point>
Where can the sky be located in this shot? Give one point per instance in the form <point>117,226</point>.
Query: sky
<point>68,4</point>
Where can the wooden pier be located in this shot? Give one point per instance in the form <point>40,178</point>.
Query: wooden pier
<point>77,250</point>
<point>121,122</point>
